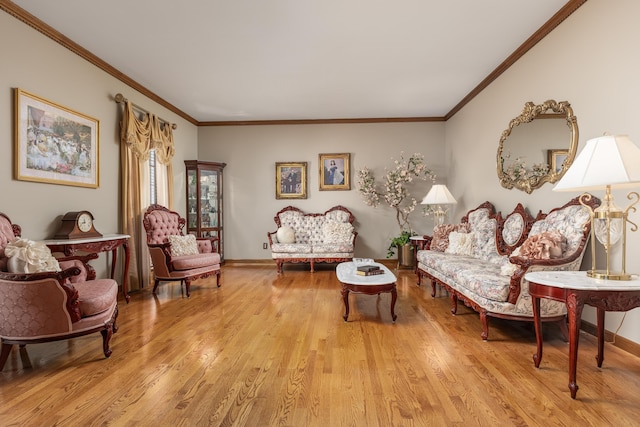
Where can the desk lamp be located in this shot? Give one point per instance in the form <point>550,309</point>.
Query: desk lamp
<point>609,161</point>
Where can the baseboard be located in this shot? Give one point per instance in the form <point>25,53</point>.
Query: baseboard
<point>618,341</point>
<point>389,263</point>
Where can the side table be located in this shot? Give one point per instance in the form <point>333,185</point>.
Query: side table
<point>419,243</point>
<point>575,289</point>
<point>105,243</point>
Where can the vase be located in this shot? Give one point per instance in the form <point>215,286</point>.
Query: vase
<point>405,255</point>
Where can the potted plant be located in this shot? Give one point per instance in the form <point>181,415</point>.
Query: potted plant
<point>395,193</point>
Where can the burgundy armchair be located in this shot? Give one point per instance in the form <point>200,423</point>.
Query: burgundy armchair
<point>52,306</point>
<point>161,224</point>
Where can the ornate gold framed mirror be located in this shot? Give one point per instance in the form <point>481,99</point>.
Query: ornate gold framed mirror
<point>538,146</point>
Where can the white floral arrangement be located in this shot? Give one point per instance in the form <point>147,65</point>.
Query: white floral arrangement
<point>395,192</point>
<point>519,169</point>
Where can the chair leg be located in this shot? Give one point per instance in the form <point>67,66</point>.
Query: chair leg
<point>156,282</point>
<point>4,355</point>
<point>107,332</point>
<point>218,278</point>
<point>187,284</point>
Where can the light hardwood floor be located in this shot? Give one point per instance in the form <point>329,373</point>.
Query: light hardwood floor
<point>269,350</point>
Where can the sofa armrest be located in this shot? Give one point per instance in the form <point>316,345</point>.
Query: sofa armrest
<point>271,236</point>
<point>526,265</point>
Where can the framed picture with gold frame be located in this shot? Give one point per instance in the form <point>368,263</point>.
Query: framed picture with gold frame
<point>555,159</point>
<point>54,144</point>
<point>335,171</point>
<point>291,180</point>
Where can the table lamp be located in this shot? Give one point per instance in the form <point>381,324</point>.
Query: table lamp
<point>609,161</point>
<point>439,195</point>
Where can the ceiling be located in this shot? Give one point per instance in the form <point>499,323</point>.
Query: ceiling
<point>271,60</point>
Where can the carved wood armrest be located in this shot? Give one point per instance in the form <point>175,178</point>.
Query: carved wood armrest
<point>269,234</point>
<point>165,247</point>
<point>215,242</point>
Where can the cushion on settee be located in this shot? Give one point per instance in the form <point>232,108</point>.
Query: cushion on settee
<point>460,243</point>
<point>441,233</point>
<point>337,232</point>
<point>286,235</point>
<point>183,245</point>
<point>546,245</point>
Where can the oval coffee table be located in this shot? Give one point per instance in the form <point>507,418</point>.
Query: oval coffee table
<point>368,285</point>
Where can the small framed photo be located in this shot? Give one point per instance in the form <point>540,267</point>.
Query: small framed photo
<point>555,160</point>
<point>335,171</point>
<point>291,180</point>
<point>54,144</point>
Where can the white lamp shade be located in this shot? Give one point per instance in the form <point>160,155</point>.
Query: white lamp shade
<point>438,195</point>
<point>607,160</point>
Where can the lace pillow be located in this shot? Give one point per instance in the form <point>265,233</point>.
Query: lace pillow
<point>546,245</point>
<point>460,243</point>
<point>441,235</point>
<point>337,232</point>
<point>183,245</point>
<point>286,235</point>
<point>27,256</point>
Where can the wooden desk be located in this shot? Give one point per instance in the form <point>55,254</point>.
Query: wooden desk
<point>108,242</point>
<point>575,289</point>
<point>368,285</point>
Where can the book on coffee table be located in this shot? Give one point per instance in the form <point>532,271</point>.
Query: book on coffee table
<point>366,268</point>
<point>370,272</point>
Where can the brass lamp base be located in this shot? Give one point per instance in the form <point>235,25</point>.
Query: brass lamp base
<point>608,275</point>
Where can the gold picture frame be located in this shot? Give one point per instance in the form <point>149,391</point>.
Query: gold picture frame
<point>555,159</point>
<point>54,144</point>
<point>291,180</point>
<point>335,173</point>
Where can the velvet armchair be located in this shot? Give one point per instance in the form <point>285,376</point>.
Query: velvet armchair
<point>52,305</point>
<point>176,257</point>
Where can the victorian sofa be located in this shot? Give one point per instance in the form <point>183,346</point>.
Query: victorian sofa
<point>312,237</point>
<point>482,261</point>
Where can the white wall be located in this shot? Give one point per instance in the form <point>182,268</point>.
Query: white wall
<point>35,63</point>
<point>251,153</point>
<point>590,60</point>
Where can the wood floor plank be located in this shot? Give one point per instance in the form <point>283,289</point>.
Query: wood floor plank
<point>273,350</point>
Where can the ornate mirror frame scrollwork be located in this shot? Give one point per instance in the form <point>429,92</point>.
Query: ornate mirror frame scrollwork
<point>529,180</point>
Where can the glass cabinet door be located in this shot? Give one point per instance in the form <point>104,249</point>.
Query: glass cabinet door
<point>204,200</point>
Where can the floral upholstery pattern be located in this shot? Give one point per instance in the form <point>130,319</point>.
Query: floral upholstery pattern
<point>492,283</point>
<point>327,237</point>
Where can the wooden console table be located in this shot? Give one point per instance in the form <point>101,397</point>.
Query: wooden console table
<point>575,289</point>
<point>108,242</point>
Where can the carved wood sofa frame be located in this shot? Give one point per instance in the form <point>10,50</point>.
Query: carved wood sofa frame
<point>524,265</point>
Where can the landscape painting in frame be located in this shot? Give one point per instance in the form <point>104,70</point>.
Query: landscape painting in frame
<point>291,180</point>
<point>334,171</point>
<point>54,144</point>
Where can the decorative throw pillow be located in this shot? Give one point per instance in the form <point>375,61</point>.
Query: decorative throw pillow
<point>27,256</point>
<point>183,245</point>
<point>441,233</point>
<point>546,245</point>
<point>286,235</point>
<point>337,232</point>
<point>460,243</point>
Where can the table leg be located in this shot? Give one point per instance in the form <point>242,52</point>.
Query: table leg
<point>345,298</point>
<point>125,275</point>
<point>537,323</point>
<point>394,297</point>
<point>600,356</point>
<point>574,312</point>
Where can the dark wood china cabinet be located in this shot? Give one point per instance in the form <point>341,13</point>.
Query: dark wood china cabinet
<point>204,200</point>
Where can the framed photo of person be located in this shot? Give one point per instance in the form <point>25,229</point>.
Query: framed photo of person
<point>335,171</point>
<point>291,180</point>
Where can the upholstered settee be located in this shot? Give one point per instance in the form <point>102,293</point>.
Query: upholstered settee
<point>312,237</point>
<point>484,265</point>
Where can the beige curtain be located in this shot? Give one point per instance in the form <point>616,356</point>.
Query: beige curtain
<point>137,138</point>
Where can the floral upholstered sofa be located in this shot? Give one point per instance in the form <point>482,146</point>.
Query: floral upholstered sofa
<point>312,237</point>
<point>482,261</point>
